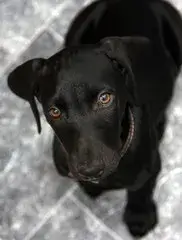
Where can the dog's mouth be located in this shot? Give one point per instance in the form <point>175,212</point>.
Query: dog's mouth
<point>126,137</point>
<point>86,179</point>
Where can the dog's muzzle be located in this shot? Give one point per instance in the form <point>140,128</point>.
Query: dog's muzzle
<point>94,175</point>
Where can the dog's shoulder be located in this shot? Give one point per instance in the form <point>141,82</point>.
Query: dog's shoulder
<point>105,18</point>
<point>85,22</point>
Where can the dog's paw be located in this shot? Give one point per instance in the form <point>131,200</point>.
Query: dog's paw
<point>140,220</point>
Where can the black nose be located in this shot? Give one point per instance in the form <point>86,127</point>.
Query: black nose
<point>90,172</point>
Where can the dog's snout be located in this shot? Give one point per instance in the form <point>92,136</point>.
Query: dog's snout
<point>91,172</point>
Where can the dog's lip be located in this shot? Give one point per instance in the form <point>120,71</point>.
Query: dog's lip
<point>92,180</point>
<point>95,181</point>
<point>70,175</point>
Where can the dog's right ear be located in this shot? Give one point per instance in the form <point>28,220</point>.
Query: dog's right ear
<point>23,81</point>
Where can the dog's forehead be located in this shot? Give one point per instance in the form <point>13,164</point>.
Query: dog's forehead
<point>83,74</point>
<point>85,66</point>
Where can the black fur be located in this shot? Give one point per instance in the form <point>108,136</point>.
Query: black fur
<point>131,49</point>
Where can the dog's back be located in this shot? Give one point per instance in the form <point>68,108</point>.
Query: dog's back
<point>155,19</point>
<point>171,28</point>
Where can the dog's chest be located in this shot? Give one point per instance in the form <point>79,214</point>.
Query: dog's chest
<point>125,179</point>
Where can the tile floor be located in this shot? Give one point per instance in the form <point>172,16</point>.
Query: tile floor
<point>36,203</point>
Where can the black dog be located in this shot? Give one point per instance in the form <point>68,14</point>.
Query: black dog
<point>105,96</point>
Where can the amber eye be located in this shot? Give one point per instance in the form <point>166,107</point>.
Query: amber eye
<point>54,112</point>
<point>105,98</point>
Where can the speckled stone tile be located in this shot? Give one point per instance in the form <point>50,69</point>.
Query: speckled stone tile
<point>30,189</point>
<point>4,57</point>
<point>44,46</point>
<point>19,19</point>
<point>22,20</point>
<point>108,208</point>
<point>71,222</point>
<point>48,7</point>
<point>60,25</point>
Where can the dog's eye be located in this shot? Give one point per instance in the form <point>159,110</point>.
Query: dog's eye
<point>105,98</point>
<point>54,112</point>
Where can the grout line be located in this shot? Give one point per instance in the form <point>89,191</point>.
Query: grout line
<point>56,35</point>
<point>32,233</point>
<point>37,33</point>
<point>87,2</point>
<point>95,218</point>
<point>10,164</point>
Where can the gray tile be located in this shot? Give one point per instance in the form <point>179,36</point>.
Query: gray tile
<point>10,115</point>
<point>19,20</point>
<point>62,22</point>
<point>109,208</point>
<point>30,189</point>
<point>44,46</point>
<point>5,155</point>
<point>48,7</point>
<point>4,57</point>
<point>70,222</point>
<point>168,195</point>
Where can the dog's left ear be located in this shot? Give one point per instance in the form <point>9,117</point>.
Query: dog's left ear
<point>125,51</point>
<point>23,81</point>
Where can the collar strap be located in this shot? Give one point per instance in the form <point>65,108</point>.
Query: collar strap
<point>130,136</point>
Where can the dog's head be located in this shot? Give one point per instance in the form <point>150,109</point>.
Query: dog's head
<point>84,92</point>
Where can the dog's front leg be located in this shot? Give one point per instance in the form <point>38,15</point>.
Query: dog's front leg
<point>140,213</point>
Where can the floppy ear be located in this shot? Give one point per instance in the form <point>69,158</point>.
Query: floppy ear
<point>126,52</point>
<point>23,81</point>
